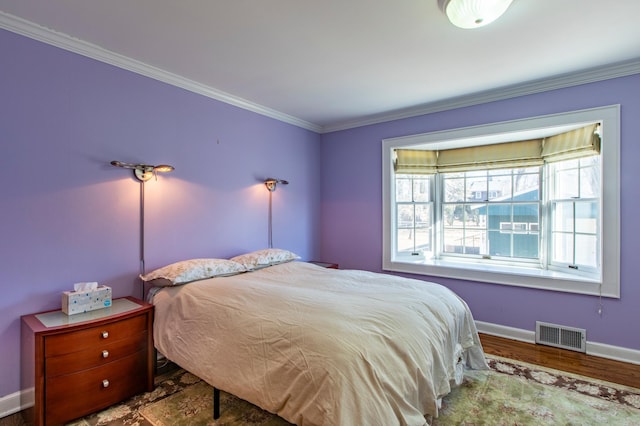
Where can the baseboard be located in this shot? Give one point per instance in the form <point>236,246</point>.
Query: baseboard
<point>10,404</point>
<point>602,350</point>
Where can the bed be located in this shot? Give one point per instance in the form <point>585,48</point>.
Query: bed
<point>320,346</point>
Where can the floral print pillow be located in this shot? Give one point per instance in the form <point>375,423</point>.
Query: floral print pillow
<point>187,271</point>
<point>262,258</point>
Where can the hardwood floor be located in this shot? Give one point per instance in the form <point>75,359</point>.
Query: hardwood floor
<point>560,359</point>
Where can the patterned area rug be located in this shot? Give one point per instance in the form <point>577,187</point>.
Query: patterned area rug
<point>509,394</point>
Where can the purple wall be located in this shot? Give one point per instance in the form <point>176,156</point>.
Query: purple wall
<point>352,210</point>
<point>69,216</point>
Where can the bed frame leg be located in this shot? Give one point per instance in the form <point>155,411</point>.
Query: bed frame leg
<point>216,403</point>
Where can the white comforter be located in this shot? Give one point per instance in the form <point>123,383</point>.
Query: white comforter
<point>321,346</point>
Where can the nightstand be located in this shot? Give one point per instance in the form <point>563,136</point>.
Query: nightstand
<point>325,264</point>
<point>79,364</point>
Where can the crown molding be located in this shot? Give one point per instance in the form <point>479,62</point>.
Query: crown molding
<point>620,69</point>
<point>46,35</point>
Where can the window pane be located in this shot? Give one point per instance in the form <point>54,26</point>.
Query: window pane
<point>403,190</point>
<point>586,250</point>
<point>500,187</point>
<point>586,217</point>
<point>453,240</point>
<point>563,217</point>
<point>405,240</point>
<point>475,242</point>
<point>410,240</point>
<point>469,242</point>
<point>566,165</point>
<point>593,161</point>
<point>453,190</point>
<point>421,190</point>
<point>423,215</point>
<point>416,188</point>
<point>526,214</point>
<point>453,215</point>
<point>404,214</point>
<point>472,217</point>
<point>476,189</point>
<point>562,250</point>
<point>525,245</point>
<point>423,239</point>
<point>500,217</point>
<point>589,182</point>
<point>566,184</point>
<point>526,185</point>
<point>500,243</point>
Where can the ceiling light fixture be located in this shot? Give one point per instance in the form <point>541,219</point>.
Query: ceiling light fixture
<point>473,13</point>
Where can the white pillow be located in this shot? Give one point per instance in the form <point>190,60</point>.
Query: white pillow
<point>187,271</point>
<point>263,258</point>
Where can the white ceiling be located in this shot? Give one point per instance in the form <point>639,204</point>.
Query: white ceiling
<point>332,64</point>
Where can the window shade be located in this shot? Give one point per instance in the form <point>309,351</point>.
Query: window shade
<point>415,161</point>
<point>510,155</point>
<point>577,143</point>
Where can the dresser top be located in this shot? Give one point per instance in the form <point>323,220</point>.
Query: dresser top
<point>55,320</point>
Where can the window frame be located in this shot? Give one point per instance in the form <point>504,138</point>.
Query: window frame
<point>607,285</point>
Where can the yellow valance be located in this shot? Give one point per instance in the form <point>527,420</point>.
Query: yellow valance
<point>509,155</point>
<point>416,161</point>
<point>577,143</point>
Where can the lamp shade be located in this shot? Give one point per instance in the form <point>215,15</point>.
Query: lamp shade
<point>271,183</point>
<point>474,13</point>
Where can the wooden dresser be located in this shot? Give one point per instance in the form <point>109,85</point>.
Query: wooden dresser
<point>82,363</point>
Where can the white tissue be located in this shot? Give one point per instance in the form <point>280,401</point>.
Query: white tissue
<point>85,286</point>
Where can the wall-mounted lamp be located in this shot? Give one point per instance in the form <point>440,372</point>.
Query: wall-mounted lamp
<point>473,13</point>
<point>143,172</point>
<point>271,183</point>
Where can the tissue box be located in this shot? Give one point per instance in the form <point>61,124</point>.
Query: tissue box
<point>77,302</point>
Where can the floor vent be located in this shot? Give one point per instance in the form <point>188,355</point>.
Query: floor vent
<point>574,339</point>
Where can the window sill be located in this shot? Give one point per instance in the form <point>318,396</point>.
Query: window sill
<point>500,274</point>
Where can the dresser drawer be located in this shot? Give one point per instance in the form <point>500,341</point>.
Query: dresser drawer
<point>61,344</point>
<point>101,354</point>
<point>74,395</point>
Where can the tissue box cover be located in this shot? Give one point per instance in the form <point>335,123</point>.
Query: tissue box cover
<point>77,302</point>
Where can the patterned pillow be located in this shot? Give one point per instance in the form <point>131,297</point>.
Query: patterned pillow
<point>187,271</point>
<point>262,258</point>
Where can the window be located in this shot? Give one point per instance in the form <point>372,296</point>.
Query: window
<point>496,223</point>
<point>574,206</point>
<point>517,203</point>
<point>414,206</point>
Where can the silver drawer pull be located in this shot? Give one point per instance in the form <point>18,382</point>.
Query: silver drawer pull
<point>105,334</point>
<point>105,354</point>
<point>105,383</point>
